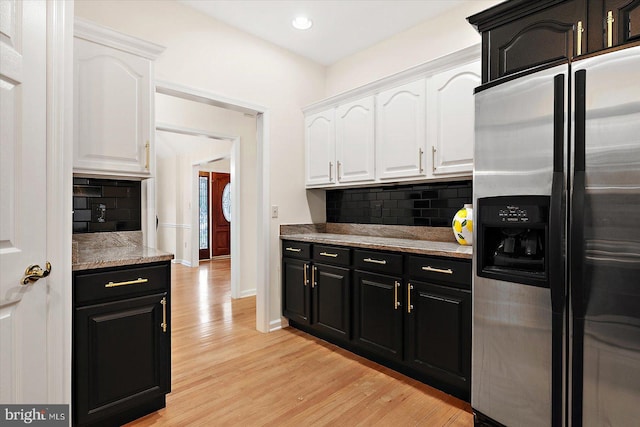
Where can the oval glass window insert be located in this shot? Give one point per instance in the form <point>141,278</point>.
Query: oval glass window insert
<point>226,202</point>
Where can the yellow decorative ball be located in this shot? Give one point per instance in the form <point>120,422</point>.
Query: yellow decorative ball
<point>462,225</point>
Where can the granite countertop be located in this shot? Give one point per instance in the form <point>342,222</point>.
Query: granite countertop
<point>392,241</point>
<point>113,249</point>
<point>118,256</point>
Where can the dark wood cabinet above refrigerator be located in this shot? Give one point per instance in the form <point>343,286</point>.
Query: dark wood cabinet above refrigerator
<point>521,34</point>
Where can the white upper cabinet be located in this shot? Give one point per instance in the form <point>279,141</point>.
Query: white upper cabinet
<point>113,103</point>
<point>450,119</point>
<point>416,125</point>
<point>355,142</point>
<point>400,131</point>
<point>320,134</point>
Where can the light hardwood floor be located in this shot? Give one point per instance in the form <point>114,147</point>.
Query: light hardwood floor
<point>225,373</point>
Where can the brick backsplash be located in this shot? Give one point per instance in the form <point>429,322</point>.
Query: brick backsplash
<point>421,204</point>
<point>106,205</point>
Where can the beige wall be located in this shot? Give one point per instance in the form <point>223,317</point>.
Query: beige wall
<point>432,39</point>
<point>206,54</point>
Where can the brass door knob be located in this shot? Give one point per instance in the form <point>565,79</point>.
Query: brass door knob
<point>34,273</point>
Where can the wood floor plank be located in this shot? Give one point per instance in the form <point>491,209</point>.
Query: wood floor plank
<point>225,373</point>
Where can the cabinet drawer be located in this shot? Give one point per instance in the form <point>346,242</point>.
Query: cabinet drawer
<point>332,255</point>
<point>381,262</point>
<point>107,284</point>
<point>293,249</point>
<point>440,270</point>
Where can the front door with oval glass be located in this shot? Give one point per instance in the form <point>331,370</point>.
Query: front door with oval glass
<point>215,214</point>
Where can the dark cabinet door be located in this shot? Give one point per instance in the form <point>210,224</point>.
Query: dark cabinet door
<point>613,23</point>
<point>295,290</point>
<point>331,292</point>
<point>121,356</point>
<point>541,37</point>
<point>438,332</point>
<point>378,314</point>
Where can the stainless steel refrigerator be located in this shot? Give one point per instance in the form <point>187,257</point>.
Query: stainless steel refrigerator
<point>556,283</point>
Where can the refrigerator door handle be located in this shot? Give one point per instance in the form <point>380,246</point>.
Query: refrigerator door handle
<point>576,249</point>
<point>556,255</point>
<point>556,217</point>
<point>577,199</point>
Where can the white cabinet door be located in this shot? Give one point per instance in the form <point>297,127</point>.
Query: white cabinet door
<point>450,119</point>
<point>320,139</point>
<point>112,111</point>
<point>400,131</point>
<point>355,144</point>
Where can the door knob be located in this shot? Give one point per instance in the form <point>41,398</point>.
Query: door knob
<point>34,272</point>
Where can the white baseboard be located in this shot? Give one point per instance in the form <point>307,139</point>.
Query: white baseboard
<point>173,225</point>
<point>248,293</point>
<point>181,261</point>
<point>274,325</point>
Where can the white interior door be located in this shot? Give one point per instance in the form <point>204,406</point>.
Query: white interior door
<point>23,308</point>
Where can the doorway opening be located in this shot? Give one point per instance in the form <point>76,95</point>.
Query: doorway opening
<point>255,221</point>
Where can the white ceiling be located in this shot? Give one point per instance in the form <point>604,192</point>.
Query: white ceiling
<point>340,27</point>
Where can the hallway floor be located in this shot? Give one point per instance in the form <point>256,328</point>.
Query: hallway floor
<point>225,373</point>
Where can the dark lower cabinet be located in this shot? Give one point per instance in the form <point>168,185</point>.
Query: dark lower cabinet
<point>295,290</point>
<point>438,333</point>
<point>121,345</point>
<point>317,294</point>
<point>409,312</point>
<point>377,314</point>
<point>331,295</point>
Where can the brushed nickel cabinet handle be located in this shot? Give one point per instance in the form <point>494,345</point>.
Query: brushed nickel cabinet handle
<point>438,270</point>
<point>433,158</point>
<point>138,281</point>
<point>146,148</point>
<point>580,30</point>
<point>395,295</point>
<point>375,261</point>
<point>163,301</point>
<point>420,153</point>
<point>338,164</point>
<point>293,249</point>
<point>304,272</point>
<point>610,21</point>
<point>329,255</point>
<point>313,277</point>
<point>330,171</point>
<point>409,305</point>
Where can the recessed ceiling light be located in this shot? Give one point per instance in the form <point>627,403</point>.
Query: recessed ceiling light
<point>302,23</point>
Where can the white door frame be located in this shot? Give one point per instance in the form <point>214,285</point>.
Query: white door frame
<point>263,251</point>
<point>59,197</point>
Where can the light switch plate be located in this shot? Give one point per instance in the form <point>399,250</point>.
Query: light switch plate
<point>274,211</point>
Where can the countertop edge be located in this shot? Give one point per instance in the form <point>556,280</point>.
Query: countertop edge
<point>122,262</point>
<point>420,247</point>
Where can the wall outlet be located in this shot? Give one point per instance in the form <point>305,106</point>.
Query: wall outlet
<point>274,211</point>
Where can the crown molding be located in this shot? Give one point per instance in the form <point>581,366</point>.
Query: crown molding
<point>424,70</point>
<point>95,33</point>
